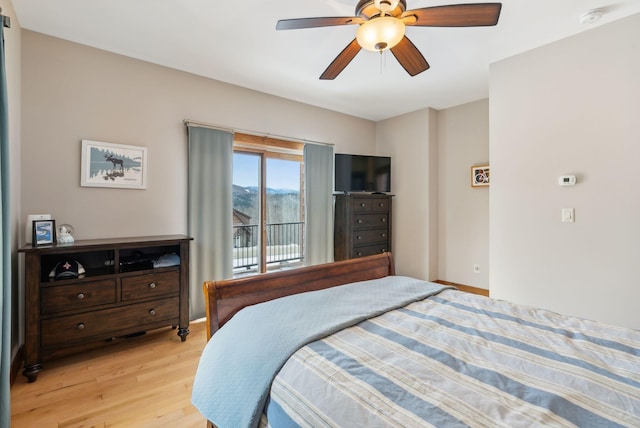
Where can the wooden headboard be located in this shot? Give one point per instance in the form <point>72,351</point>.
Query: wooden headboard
<point>226,297</point>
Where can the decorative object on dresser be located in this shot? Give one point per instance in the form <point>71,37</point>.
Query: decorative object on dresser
<point>43,232</point>
<point>362,225</point>
<point>64,234</point>
<point>83,293</point>
<point>28,236</point>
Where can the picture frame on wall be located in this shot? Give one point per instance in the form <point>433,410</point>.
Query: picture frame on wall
<point>480,176</point>
<point>113,165</point>
<point>44,232</point>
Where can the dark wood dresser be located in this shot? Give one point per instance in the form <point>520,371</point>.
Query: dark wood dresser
<point>120,293</point>
<point>362,225</point>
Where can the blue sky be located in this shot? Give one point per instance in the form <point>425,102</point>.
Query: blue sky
<point>281,174</point>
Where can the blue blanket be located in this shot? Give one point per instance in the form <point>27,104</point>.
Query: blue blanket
<point>243,357</point>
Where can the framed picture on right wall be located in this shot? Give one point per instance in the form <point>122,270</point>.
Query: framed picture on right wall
<point>480,176</point>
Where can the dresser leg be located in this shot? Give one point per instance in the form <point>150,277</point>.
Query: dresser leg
<point>183,332</point>
<point>31,372</point>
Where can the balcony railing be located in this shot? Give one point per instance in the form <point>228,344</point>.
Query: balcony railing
<point>285,242</point>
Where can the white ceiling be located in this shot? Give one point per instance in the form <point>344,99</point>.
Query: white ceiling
<point>236,42</point>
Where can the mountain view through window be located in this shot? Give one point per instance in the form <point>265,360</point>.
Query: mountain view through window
<point>280,240</point>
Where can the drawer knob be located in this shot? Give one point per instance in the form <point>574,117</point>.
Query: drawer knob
<point>358,254</point>
<point>383,251</point>
<point>363,204</point>
<point>152,312</point>
<point>358,237</point>
<point>384,220</point>
<point>383,235</point>
<point>80,326</point>
<point>152,285</point>
<point>80,296</point>
<point>381,204</point>
<point>359,221</point>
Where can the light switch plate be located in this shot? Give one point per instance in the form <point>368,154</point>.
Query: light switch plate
<point>568,215</point>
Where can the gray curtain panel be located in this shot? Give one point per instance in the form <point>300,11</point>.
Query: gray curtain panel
<point>318,190</point>
<point>5,252</point>
<point>210,210</point>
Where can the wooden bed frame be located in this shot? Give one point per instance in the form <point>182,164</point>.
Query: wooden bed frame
<point>226,297</point>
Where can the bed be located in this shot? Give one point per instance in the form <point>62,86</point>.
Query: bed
<point>351,344</point>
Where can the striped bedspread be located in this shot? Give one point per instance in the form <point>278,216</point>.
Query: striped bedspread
<point>457,359</point>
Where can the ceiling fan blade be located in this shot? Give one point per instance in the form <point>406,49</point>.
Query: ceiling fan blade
<point>455,15</point>
<point>294,24</point>
<point>409,57</point>
<point>342,60</point>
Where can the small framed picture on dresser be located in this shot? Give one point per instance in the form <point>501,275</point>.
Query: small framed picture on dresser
<point>44,232</point>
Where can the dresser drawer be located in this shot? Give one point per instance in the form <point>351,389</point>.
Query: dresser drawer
<point>370,204</point>
<point>370,220</point>
<point>361,205</point>
<point>77,296</point>
<point>380,205</point>
<point>369,250</point>
<point>367,236</point>
<point>72,329</point>
<point>150,286</point>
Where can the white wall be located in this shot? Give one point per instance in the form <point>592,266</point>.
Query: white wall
<point>463,141</point>
<point>571,107</point>
<point>73,92</point>
<point>411,141</point>
<point>440,223</point>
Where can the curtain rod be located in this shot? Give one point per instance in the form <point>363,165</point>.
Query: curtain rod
<point>189,122</point>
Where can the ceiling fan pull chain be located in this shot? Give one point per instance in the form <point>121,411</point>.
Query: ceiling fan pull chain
<point>383,62</point>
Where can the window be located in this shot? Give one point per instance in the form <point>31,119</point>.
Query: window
<point>268,205</point>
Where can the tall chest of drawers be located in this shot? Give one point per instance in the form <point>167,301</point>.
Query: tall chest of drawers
<point>129,286</point>
<point>362,225</point>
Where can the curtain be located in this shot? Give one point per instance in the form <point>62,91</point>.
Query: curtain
<point>5,251</point>
<point>318,173</point>
<point>210,210</point>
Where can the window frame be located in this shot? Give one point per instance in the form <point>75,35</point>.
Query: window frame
<point>268,148</point>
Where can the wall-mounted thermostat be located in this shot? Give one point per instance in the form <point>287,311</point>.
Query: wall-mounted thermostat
<point>567,180</point>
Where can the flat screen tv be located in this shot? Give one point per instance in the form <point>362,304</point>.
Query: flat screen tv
<point>361,173</point>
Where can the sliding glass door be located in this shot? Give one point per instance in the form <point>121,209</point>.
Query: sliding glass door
<point>268,211</point>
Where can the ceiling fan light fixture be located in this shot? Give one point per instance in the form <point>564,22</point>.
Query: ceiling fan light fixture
<point>381,33</point>
<point>386,6</point>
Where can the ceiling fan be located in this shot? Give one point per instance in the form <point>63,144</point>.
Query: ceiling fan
<point>382,25</point>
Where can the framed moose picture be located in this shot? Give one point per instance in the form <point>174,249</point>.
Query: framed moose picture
<point>113,165</point>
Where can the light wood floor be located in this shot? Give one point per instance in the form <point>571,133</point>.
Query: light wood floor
<point>140,382</point>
